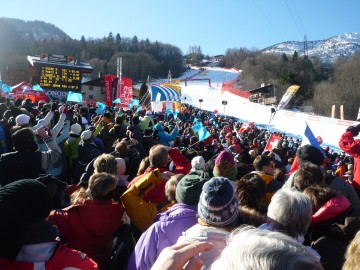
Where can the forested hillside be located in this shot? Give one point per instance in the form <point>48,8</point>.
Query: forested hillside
<point>322,84</point>
<point>141,58</point>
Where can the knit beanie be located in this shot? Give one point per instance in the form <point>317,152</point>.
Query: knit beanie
<point>225,165</point>
<point>218,204</point>
<point>22,203</point>
<point>310,153</point>
<point>75,128</point>
<point>189,188</point>
<point>24,140</point>
<point>22,119</point>
<point>197,163</point>
<point>86,135</point>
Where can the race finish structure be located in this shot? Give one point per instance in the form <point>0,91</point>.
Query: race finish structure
<point>58,74</point>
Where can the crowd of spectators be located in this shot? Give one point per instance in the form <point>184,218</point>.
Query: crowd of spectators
<point>134,189</point>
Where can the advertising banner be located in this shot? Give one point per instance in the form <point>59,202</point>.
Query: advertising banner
<point>124,91</point>
<point>108,89</point>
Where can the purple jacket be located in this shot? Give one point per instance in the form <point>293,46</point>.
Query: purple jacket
<point>163,233</point>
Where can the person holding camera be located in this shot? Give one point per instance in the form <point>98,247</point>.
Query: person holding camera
<point>27,161</point>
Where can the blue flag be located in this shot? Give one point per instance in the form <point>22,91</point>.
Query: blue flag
<point>196,120</point>
<point>197,127</point>
<point>203,133</point>
<point>138,109</point>
<point>134,102</point>
<point>117,101</point>
<point>101,109</point>
<point>6,88</point>
<point>175,115</point>
<point>309,138</point>
<point>169,111</point>
<point>74,97</point>
<point>37,87</point>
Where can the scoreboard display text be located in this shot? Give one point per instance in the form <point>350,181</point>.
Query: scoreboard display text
<point>64,78</point>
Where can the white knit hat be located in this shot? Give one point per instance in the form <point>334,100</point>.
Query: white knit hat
<point>86,134</point>
<point>76,128</point>
<point>197,163</point>
<point>22,119</point>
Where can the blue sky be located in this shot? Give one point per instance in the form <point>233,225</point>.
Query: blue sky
<point>215,26</point>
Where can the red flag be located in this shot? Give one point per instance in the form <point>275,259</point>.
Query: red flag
<point>246,127</point>
<point>272,142</point>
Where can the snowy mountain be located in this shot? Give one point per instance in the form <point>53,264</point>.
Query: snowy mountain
<point>327,51</point>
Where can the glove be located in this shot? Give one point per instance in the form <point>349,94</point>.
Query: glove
<point>354,129</point>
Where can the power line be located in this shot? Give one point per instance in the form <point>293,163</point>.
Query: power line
<point>269,21</point>
<point>292,16</point>
<point>298,15</point>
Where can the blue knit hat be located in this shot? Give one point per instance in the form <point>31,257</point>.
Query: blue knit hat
<point>218,204</point>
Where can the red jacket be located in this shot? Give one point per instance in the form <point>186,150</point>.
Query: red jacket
<point>333,208</point>
<point>90,227</point>
<point>157,195</point>
<point>63,258</point>
<point>351,147</point>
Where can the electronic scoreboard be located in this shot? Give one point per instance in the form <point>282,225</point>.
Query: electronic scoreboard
<point>58,77</point>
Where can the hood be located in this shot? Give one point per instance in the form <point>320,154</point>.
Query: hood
<point>333,208</point>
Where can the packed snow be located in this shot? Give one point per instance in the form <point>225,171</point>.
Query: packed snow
<point>329,129</point>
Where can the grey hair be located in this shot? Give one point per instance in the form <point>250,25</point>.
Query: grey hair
<point>290,212</point>
<point>250,248</point>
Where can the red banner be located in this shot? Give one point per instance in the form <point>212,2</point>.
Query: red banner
<point>125,92</point>
<point>108,90</point>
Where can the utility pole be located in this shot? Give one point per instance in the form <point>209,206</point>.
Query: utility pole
<point>119,73</point>
<point>305,47</point>
<point>169,79</point>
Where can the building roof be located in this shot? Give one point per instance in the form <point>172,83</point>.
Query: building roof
<point>60,61</point>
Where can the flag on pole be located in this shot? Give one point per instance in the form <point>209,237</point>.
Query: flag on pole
<point>138,109</point>
<point>169,111</point>
<point>117,101</point>
<point>6,88</point>
<point>74,97</point>
<point>246,127</point>
<point>197,126</point>
<point>101,108</point>
<point>133,102</point>
<point>272,142</point>
<point>37,87</point>
<point>290,92</point>
<point>201,131</point>
<point>307,138</point>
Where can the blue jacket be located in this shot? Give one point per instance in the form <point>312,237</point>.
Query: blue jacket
<point>163,233</point>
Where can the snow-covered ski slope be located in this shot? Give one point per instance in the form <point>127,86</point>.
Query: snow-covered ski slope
<point>293,123</point>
